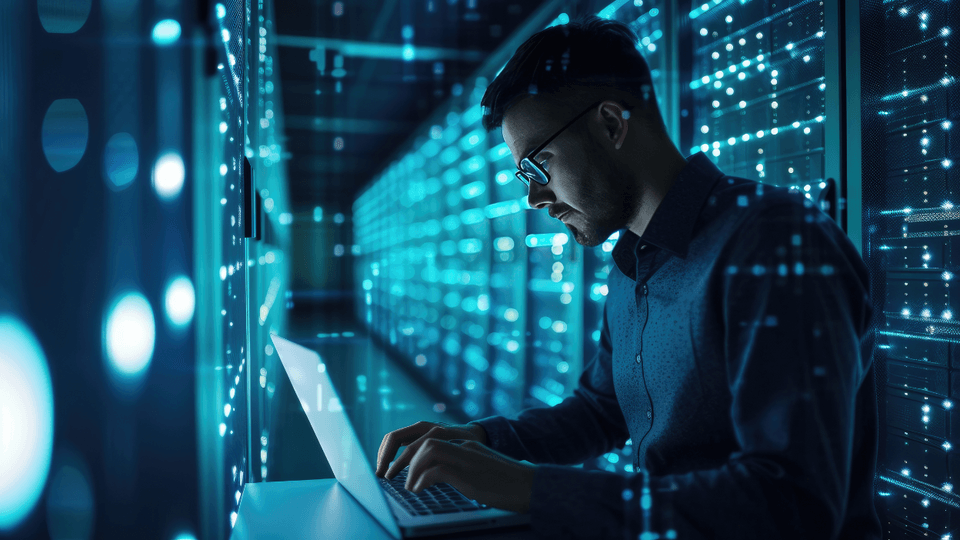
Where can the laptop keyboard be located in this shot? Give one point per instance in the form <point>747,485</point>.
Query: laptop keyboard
<point>436,499</point>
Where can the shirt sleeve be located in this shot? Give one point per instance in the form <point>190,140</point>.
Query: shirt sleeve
<point>797,337</point>
<point>585,425</point>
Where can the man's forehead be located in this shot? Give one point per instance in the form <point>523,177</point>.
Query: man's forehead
<point>525,125</point>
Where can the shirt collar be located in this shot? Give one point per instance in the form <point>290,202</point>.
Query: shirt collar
<point>671,226</point>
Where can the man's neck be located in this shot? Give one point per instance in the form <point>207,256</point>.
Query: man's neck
<point>656,181</point>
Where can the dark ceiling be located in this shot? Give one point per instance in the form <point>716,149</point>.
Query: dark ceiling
<point>382,97</point>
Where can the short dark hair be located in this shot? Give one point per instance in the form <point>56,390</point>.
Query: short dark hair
<point>589,52</point>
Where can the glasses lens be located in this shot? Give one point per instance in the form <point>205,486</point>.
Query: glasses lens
<point>533,171</point>
<point>523,178</point>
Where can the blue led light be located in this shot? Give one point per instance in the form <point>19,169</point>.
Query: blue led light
<point>166,32</point>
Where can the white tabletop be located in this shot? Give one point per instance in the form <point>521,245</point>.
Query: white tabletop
<point>320,509</point>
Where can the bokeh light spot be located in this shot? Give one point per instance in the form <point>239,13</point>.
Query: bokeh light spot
<point>129,334</point>
<point>64,134</point>
<point>179,301</point>
<point>59,17</point>
<point>121,160</point>
<point>168,176</point>
<point>26,421</point>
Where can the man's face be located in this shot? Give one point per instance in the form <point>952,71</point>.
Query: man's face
<point>589,190</point>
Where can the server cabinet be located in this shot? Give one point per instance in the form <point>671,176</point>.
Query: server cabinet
<point>908,115</point>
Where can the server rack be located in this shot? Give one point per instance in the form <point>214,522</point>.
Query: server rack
<point>908,118</point>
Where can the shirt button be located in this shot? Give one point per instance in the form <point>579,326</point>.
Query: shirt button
<point>639,358</point>
<point>649,413</point>
<point>643,246</point>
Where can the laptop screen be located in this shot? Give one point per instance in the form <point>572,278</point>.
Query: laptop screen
<point>321,403</point>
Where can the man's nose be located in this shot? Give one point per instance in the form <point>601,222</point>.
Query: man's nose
<point>539,196</point>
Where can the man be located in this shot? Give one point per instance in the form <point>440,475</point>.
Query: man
<point>736,345</point>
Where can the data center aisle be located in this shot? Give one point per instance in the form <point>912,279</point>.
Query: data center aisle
<point>378,393</point>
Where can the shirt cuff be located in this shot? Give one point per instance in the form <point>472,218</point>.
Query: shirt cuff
<point>500,435</point>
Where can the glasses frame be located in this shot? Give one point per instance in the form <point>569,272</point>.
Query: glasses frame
<point>528,159</point>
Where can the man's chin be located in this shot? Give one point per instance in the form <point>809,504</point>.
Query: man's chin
<point>592,241</point>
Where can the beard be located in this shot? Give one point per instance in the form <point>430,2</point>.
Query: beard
<point>606,210</point>
<point>590,233</point>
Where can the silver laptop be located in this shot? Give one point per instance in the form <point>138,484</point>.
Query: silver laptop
<point>436,510</point>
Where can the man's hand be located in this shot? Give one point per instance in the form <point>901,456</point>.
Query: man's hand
<point>413,438</point>
<point>478,472</point>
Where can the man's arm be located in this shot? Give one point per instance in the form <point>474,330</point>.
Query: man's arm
<point>585,425</point>
<point>797,346</point>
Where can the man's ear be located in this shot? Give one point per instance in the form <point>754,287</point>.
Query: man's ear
<point>615,122</point>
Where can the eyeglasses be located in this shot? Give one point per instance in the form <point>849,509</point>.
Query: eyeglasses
<point>530,169</point>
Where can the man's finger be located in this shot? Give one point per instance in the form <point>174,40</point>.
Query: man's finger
<point>393,441</point>
<point>431,453</point>
<point>411,450</point>
<point>440,473</point>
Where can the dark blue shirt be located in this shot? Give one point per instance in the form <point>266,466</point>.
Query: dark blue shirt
<point>736,355</point>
